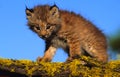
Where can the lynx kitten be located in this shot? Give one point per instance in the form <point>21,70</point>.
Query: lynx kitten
<point>63,29</point>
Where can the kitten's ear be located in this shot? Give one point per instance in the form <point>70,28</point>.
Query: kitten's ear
<point>29,12</point>
<point>54,11</point>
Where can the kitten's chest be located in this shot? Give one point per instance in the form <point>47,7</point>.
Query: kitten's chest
<point>59,42</point>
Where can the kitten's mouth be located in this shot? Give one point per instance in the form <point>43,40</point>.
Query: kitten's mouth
<point>44,37</point>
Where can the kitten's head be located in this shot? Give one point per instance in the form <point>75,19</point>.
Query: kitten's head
<point>44,20</point>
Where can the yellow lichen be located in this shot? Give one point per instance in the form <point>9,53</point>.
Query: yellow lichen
<point>29,66</point>
<point>114,64</point>
<point>51,68</point>
<point>76,67</point>
<point>13,70</point>
<point>6,61</point>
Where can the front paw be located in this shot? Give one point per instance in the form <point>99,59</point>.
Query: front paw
<point>43,59</point>
<point>69,59</point>
<point>39,59</point>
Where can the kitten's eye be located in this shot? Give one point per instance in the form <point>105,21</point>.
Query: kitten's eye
<point>37,27</point>
<point>48,27</point>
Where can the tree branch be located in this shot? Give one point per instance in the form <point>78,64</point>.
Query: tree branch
<point>84,66</point>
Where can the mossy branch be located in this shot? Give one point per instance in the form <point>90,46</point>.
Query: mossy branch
<point>82,67</point>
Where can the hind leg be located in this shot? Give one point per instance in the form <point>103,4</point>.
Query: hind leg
<point>100,55</point>
<point>74,50</point>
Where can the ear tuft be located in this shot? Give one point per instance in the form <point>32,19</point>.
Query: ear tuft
<point>29,12</point>
<point>54,10</point>
<point>53,6</point>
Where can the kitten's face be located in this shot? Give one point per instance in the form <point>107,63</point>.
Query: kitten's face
<point>44,20</point>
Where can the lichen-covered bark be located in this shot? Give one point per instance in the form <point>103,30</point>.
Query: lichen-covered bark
<point>82,67</point>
